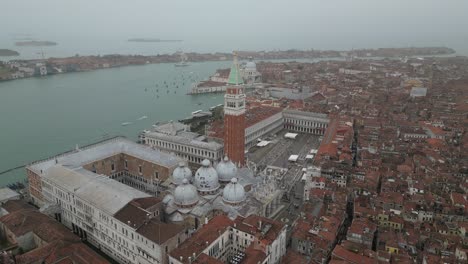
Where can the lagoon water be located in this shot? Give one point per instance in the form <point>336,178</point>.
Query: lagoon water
<point>40,117</point>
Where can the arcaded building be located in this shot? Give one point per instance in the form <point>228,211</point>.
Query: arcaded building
<point>120,159</point>
<point>175,137</point>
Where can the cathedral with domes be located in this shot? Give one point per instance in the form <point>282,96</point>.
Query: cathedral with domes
<point>220,189</point>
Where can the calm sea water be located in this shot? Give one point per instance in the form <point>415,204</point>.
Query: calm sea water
<point>40,117</point>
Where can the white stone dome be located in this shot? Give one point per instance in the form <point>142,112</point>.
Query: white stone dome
<point>185,194</point>
<point>226,170</point>
<point>206,178</point>
<point>251,65</point>
<point>234,193</point>
<point>180,173</point>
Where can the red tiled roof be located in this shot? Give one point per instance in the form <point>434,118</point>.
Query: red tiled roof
<point>205,235</point>
<point>146,202</point>
<point>292,257</point>
<point>257,114</point>
<point>158,231</point>
<point>61,252</point>
<point>250,225</point>
<point>24,221</point>
<point>59,243</point>
<point>16,205</point>
<point>459,199</point>
<point>342,254</point>
<point>253,256</point>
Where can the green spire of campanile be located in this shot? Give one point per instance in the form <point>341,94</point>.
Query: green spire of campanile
<point>234,75</point>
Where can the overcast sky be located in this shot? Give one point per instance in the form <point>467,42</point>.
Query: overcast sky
<point>325,22</point>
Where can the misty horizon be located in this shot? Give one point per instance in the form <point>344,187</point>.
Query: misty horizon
<point>209,26</point>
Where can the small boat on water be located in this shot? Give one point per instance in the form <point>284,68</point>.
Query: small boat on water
<point>141,118</point>
<point>126,123</point>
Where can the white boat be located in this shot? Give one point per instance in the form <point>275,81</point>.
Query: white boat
<point>196,112</point>
<point>143,117</point>
<point>126,123</point>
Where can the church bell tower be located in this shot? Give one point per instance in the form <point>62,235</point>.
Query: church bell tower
<point>234,116</point>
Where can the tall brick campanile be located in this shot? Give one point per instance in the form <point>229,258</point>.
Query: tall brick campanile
<point>234,116</point>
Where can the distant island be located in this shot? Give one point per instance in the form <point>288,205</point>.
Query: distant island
<point>7,52</point>
<point>35,43</point>
<point>27,68</point>
<point>153,40</point>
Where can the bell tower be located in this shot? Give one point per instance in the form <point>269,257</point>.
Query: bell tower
<point>234,116</point>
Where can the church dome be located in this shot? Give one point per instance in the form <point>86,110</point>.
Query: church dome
<point>180,173</point>
<point>251,65</point>
<point>185,195</point>
<point>206,178</point>
<point>226,170</point>
<point>234,193</point>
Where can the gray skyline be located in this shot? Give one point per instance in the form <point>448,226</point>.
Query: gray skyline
<point>246,24</point>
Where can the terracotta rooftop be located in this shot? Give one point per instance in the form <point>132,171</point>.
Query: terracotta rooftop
<point>293,257</point>
<point>253,256</point>
<point>24,221</point>
<point>205,235</point>
<point>251,225</point>
<point>134,214</point>
<point>159,232</point>
<point>61,252</point>
<point>60,245</point>
<point>341,253</point>
<point>146,202</point>
<point>16,205</point>
<point>257,114</point>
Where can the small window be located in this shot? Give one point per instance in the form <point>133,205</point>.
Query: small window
<point>126,164</point>
<point>156,175</point>
<point>139,168</point>
<point>113,167</point>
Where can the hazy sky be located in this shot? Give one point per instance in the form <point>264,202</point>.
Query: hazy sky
<point>334,23</point>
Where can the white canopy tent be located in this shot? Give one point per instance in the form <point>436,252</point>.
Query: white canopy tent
<point>263,143</point>
<point>290,135</point>
<point>293,158</point>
